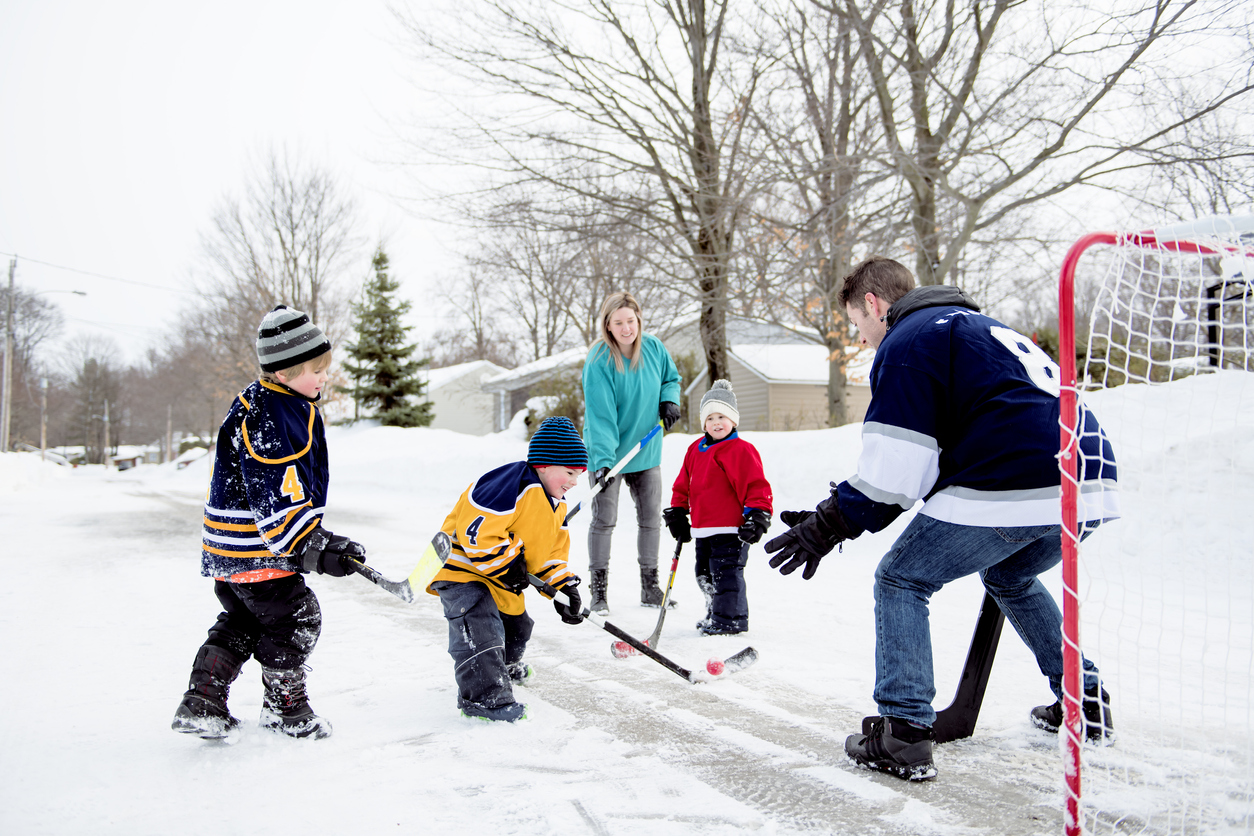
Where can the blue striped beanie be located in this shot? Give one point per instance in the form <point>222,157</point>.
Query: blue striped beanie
<point>287,338</point>
<point>557,443</point>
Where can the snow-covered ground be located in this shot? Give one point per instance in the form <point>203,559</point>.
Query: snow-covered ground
<point>102,609</point>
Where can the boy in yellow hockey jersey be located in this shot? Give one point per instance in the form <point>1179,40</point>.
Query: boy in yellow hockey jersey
<point>509,523</point>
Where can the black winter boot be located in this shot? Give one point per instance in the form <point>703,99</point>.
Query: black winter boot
<point>1098,726</point>
<point>203,709</point>
<point>896,747</point>
<point>285,705</point>
<point>600,581</point>
<point>650,594</point>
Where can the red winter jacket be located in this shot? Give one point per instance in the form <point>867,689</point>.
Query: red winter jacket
<point>718,481</point>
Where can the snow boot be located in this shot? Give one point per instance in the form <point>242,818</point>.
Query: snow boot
<point>285,705</point>
<point>203,710</point>
<point>520,673</point>
<point>1098,726</point>
<point>896,747</point>
<point>600,581</point>
<point>511,712</point>
<point>650,594</point>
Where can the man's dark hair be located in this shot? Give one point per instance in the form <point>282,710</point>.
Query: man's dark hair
<point>889,280</point>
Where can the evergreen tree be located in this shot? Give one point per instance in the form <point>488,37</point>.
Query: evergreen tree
<point>383,374</point>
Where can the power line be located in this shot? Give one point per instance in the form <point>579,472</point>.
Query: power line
<point>99,275</point>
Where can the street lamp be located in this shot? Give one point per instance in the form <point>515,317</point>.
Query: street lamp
<point>6,398</point>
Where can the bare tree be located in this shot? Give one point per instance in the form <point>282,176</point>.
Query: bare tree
<point>627,105</point>
<point>990,107</point>
<point>288,240</point>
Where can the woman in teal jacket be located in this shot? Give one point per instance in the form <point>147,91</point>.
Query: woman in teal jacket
<point>629,383</point>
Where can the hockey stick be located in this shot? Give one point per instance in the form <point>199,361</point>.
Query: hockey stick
<point>429,564</point>
<point>958,719</point>
<point>622,650</point>
<point>733,663</point>
<point>614,471</point>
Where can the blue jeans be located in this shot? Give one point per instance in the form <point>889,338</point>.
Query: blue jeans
<point>646,490</point>
<point>930,554</point>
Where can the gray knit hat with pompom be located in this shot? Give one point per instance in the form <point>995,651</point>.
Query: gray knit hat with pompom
<point>721,399</point>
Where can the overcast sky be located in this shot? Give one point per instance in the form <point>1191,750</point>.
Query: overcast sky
<point>123,124</point>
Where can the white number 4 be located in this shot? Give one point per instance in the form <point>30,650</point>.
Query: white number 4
<point>1040,368</point>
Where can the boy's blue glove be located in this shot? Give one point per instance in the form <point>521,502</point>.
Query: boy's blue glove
<point>329,554</point>
<point>677,524</point>
<point>572,614</point>
<point>757,521</point>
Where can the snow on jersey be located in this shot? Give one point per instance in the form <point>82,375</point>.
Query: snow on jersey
<point>506,515</point>
<point>269,484</point>
<point>964,414</point>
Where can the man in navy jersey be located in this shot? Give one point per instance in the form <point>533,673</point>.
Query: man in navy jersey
<point>964,415</point>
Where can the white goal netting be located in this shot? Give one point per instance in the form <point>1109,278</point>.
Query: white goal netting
<point>1165,359</point>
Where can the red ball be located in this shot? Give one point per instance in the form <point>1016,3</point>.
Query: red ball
<point>714,666</point>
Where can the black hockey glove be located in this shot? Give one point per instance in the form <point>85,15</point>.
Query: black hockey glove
<point>677,524</point>
<point>669,413</point>
<point>602,477</point>
<point>330,554</point>
<point>811,535</point>
<point>572,614</point>
<point>514,578</point>
<point>755,525</point>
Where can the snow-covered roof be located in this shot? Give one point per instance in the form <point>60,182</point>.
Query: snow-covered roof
<point>444,376</point>
<point>535,370</point>
<point>800,363</point>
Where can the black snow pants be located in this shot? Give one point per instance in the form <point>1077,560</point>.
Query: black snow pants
<point>483,642</point>
<point>277,621</point>
<point>720,568</point>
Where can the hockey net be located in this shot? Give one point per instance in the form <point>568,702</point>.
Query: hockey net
<point>1155,338</point>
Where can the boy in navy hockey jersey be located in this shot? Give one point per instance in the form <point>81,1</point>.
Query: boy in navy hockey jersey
<point>722,484</point>
<point>262,527</point>
<point>509,523</point>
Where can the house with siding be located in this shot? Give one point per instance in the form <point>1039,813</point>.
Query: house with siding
<point>779,374</point>
<point>458,400</point>
<point>510,390</point>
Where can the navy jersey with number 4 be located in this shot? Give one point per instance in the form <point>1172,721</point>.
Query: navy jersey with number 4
<point>964,414</point>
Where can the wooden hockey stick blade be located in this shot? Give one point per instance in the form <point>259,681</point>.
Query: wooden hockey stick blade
<point>429,564</point>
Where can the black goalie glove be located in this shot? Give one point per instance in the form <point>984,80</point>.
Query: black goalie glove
<point>810,536</point>
<point>330,554</point>
<point>572,614</point>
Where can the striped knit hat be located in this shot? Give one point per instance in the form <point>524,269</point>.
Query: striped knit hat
<point>720,399</point>
<point>557,443</point>
<point>287,338</point>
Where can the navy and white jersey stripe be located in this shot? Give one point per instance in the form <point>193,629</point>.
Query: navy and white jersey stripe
<point>964,415</point>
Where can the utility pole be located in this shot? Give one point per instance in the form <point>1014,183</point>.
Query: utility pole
<point>169,433</point>
<point>43,419</point>
<point>7,406</point>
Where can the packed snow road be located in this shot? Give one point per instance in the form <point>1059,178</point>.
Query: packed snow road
<point>100,638</point>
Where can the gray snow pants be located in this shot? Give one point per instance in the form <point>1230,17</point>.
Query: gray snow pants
<point>483,642</point>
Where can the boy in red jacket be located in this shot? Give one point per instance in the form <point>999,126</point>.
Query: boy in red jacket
<point>722,484</point>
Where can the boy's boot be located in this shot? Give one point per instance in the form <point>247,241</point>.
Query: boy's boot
<point>896,747</point>
<point>600,580</point>
<point>285,705</point>
<point>203,709</point>
<point>650,594</point>
<point>1098,726</point>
